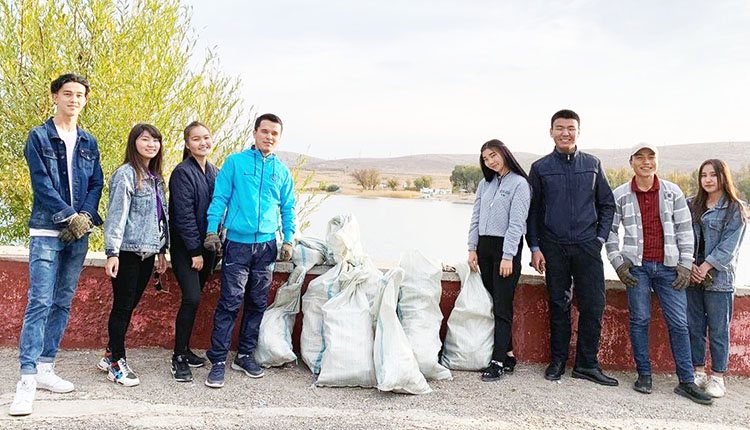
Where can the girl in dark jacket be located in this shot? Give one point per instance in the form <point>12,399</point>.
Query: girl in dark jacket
<point>190,188</point>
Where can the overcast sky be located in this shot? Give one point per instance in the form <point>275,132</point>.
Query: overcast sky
<point>388,78</point>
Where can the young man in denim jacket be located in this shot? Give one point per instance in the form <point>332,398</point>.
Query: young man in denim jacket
<point>67,180</point>
<point>657,254</point>
<point>252,188</point>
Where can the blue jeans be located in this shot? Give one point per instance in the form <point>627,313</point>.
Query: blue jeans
<point>658,277</point>
<point>54,268</point>
<point>712,311</point>
<point>246,274</point>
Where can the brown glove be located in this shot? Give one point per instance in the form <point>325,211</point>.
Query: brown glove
<point>212,242</point>
<point>683,278</point>
<point>78,225</point>
<point>286,252</point>
<point>623,272</point>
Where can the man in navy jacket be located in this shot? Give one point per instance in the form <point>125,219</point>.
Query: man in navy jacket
<point>569,220</point>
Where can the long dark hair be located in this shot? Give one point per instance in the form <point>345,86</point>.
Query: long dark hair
<point>186,136</point>
<point>132,157</point>
<point>726,183</point>
<point>508,159</point>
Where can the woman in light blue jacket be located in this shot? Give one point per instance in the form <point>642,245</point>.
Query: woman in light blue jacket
<point>135,232</point>
<point>719,221</point>
<point>498,223</point>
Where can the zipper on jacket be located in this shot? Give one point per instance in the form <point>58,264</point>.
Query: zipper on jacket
<point>260,195</point>
<point>571,177</point>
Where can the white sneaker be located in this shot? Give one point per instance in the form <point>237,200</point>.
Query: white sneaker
<point>701,379</point>
<point>120,372</point>
<point>104,362</point>
<point>715,387</point>
<point>24,399</point>
<point>47,379</point>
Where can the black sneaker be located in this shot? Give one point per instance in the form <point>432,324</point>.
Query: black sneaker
<point>692,392</point>
<point>643,384</point>
<point>194,360</point>
<point>180,369</point>
<point>493,372</point>
<point>246,363</point>
<point>509,364</point>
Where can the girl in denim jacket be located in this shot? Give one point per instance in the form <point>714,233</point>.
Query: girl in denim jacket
<point>135,232</point>
<point>719,226</point>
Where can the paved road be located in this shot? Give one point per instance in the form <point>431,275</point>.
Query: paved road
<point>287,399</point>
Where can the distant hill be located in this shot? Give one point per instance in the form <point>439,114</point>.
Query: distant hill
<point>685,157</point>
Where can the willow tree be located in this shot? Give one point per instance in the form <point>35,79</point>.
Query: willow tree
<point>141,61</point>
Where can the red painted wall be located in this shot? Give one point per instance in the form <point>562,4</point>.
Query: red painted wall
<point>153,321</point>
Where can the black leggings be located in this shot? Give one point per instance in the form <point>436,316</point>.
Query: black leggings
<point>133,275</point>
<point>191,283</point>
<point>502,290</point>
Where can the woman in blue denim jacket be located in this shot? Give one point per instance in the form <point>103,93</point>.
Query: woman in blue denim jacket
<point>719,220</point>
<point>135,232</point>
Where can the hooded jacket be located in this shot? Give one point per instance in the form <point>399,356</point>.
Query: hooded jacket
<point>253,191</point>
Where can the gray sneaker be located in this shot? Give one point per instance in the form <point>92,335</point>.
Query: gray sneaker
<point>246,363</point>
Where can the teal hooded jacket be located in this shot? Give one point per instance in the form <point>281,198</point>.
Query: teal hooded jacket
<point>253,191</point>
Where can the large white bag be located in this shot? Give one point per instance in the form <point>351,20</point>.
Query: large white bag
<point>419,311</point>
<point>348,336</point>
<point>396,368</point>
<point>319,291</point>
<point>471,325</point>
<point>275,335</point>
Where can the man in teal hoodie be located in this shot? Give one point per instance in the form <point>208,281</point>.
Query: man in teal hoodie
<point>252,188</point>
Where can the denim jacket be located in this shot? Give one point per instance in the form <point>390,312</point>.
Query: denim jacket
<point>45,154</point>
<point>132,221</point>
<point>722,233</point>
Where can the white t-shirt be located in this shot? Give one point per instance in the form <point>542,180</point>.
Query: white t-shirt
<point>70,138</point>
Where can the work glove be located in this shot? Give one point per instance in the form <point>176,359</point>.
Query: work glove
<point>78,225</point>
<point>683,278</point>
<point>212,242</point>
<point>623,272</point>
<point>286,252</point>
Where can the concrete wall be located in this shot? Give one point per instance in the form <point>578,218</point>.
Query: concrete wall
<point>153,321</point>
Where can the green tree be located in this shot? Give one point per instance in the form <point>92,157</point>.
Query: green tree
<point>742,182</point>
<point>392,183</point>
<point>617,177</point>
<point>466,177</point>
<point>423,182</point>
<point>686,181</point>
<point>136,55</point>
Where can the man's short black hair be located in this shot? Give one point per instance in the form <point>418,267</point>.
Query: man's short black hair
<point>270,117</point>
<point>567,114</point>
<point>68,77</point>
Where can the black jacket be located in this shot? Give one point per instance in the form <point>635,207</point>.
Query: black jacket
<point>572,202</point>
<point>190,192</point>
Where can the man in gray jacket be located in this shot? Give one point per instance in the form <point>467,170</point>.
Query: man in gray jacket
<point>657,254</point>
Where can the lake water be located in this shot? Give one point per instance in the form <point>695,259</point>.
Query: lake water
<point>437,228</point>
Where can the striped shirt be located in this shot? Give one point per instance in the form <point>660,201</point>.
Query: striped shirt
<point>500,209</point>
<point>675,221</point>
<point>653,234</point>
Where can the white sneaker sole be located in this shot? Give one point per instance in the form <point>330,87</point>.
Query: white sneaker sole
<point>101,366</point>
<point>126,383</point>
<point>52,388</point>
<point>241,369</point>
<point>214,384</point>
<point>19,412</point>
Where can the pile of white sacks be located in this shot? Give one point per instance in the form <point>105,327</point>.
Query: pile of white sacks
<point>364,328</point>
